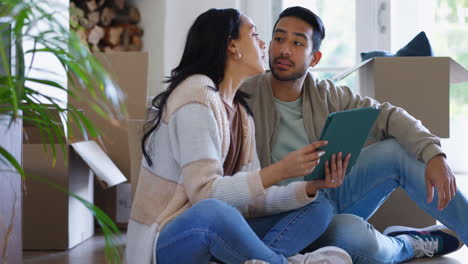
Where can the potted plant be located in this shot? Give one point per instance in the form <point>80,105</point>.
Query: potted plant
<point>32,22</point>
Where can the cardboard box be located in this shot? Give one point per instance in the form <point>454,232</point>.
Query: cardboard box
<point>130,71</point>
<point>420,85</point>
<point>117,201</point>
<point>122,141</point>
<point>52,219</point>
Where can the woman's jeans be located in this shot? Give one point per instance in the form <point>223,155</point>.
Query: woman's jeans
<point>214,229</point>
<point>380,169</point>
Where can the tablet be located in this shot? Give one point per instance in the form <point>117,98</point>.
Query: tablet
<point>346,132</point>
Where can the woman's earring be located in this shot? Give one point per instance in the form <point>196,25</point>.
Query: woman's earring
<point>239,56</point>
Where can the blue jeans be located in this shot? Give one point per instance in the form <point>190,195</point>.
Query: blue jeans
<point>212,228</point>
<point>380,169</point>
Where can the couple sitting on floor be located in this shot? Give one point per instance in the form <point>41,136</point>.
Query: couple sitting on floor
<point>225,157</point>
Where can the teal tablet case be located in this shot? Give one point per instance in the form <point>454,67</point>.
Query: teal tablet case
<point>346,132</point>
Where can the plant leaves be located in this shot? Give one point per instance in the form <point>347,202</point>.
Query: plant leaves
<point>13,162</point>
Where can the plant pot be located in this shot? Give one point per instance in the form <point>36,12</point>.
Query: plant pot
<point>10,193</point>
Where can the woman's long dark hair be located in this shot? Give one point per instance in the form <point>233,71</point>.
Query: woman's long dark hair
<point>204,53</point>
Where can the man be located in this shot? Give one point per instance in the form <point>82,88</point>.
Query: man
<point>290,108</point>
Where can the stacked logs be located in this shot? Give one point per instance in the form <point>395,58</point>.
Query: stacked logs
<point>107,25</point>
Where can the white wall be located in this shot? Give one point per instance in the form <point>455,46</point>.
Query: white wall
<point>180,14</point>
<point>166,23</point>
<point>153,14</point>
<point>261,13</point>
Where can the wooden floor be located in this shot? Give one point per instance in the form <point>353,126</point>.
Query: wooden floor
<point>92,252</point>
<point>459,257</point>
<point>89,252</point>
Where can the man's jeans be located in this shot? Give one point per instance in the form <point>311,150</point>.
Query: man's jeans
<point>380,169</point>
<point>212,228</point>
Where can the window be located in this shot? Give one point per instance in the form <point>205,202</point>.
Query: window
<point>339,46</point>
<point>44,65</point>
<point>367,25</point>
<point>450,38</point>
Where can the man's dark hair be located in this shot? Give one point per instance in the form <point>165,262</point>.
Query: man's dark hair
<point>310,18</point>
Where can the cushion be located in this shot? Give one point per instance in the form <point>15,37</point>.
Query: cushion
<point>418,46</point>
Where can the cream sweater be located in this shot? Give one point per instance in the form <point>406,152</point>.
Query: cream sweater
<point>188,152</point>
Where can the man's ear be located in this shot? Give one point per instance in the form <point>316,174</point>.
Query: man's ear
<point>316,56</point>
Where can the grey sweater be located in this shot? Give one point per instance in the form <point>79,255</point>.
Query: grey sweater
<point>321,98</point>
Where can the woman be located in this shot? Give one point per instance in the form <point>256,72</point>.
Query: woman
<point>201,145</point>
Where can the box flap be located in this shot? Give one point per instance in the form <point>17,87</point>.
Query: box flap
<point>347,72</point>
<point>458,74</point>
<point>107,173</point>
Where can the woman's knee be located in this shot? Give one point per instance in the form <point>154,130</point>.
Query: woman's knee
<point>215,212</point>
<point>321,211</point>
<point>211,204</point>
<point>202,220</point>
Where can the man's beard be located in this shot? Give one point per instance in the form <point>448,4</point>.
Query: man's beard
<point>292,77</point>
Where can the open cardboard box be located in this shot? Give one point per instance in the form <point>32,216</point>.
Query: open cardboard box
<point>122,142</point>
<point>421,86</point>
<point>52,220</point>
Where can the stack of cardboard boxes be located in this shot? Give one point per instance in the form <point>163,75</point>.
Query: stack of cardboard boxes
<point>122,143</point>
<point>55,221</point>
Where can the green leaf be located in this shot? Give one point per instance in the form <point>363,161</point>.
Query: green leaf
<point>75,119</point>
<point>12,161</point>
<point>93,130</point>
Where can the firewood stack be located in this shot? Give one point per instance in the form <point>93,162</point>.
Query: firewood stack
<point>107,25</point>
